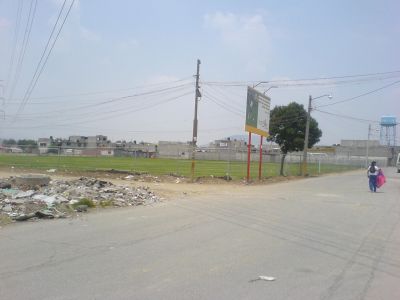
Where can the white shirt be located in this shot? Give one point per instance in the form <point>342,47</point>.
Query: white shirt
<point>376,171</point>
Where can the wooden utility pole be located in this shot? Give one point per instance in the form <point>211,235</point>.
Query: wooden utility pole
<point>197,95</point>
<point>305,149</point>
<point>367,150</point>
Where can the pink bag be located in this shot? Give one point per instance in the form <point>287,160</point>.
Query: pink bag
<point>380,179</point>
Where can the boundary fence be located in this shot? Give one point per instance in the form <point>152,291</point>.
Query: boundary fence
<point>209,162</point>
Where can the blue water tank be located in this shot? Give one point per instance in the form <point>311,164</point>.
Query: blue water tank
<point>388,121</point>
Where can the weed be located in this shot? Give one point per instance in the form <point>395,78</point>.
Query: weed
<point>84,201</point>
<point>105,203</point>
<point>4,219</point>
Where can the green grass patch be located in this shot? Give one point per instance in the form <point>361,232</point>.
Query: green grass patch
<point>160,166</point>
<point>105,203</point>
<point>4,219</point>
<point>84,201</point>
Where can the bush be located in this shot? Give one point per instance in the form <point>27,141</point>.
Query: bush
<point>4,219</point>
<point>84,201</point>
<point>105,203</point>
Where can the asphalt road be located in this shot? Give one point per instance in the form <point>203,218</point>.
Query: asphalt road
<point>320,238</point>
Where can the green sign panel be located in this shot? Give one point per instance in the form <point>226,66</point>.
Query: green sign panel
<point>257,112</point>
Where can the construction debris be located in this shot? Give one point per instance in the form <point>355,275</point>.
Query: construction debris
<point>64,198</point>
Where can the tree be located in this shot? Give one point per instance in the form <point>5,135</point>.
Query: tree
<point>27,145</point>
<point>9,142</point>
<point>287,129</point>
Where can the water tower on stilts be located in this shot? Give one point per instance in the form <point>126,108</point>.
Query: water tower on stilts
<point>388,131</point>
<point>388,137</point>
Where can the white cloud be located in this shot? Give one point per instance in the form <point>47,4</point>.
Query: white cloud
<point>4,24</point>
<point>247,35</point>
<point>128,45</point>
<point>73,29</point>
<point>236,28</point>
<point>158,79</point>
<point>89,35</point>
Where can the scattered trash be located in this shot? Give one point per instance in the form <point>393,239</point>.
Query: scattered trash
<point>129,177</point>
<point>61,198</point>
<point>7,208</point>
<point>5,185</point>
<point>24,217</point>
<point>51,170</point>
<point>50,200</point>
<point>266,278</point>
<point>31,181</point>
<point>81,208</point>
<point>44,214</point>
<point>23,194</point>
<point>9,191</point>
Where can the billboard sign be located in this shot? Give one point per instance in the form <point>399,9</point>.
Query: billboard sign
<point>257,112</point>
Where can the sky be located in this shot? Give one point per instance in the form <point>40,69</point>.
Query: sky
<point>125,69</point>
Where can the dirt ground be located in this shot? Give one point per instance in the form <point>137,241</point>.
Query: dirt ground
<point>167,187</point>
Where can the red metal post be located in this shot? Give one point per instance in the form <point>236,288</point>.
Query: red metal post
<point>259,166</point>
<point>248,158</point>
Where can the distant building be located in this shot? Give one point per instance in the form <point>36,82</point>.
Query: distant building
<point>16,150</point>
<point>142,149</point>
<point>384,154</point>
<point>77,141</point>
<point>174,149</point>
<point>98,141</point>
<point>44,144</point>
<point>228,144</point>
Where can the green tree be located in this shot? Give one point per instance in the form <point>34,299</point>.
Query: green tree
<point>287,129</point>
<point>9,142</point>
<point>27,145</point>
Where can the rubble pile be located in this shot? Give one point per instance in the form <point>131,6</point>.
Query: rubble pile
<point>62,198</point>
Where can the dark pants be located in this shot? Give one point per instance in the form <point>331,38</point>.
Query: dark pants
<point>372,183</point>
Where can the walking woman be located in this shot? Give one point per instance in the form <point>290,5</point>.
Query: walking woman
<point>372,175</point>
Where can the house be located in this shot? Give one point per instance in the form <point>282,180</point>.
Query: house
<point>142,149</point>
<point>44,144</point>
<point>174,149</point>
<point>16,150</point>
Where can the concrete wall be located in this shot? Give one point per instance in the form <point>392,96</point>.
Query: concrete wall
<point>174,150</point>
<point>359,143</point>
<point>353,148</point>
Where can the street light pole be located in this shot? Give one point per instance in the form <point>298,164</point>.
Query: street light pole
<point>306,137</point>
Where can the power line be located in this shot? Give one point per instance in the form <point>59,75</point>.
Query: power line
<point>222,104</point>
<point>92,113</point>
<point>116,113</point>
<point>362,95</point>
<point>284,120</point>
<point>107,91</point>
<point>16,35</point>
<point>241,83</point>
<point>347,117</point>
<point>32,86</point>
<point>218,90</point>
<point>113,101</point>
<point>45,49</point>
<point>25,41</point>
